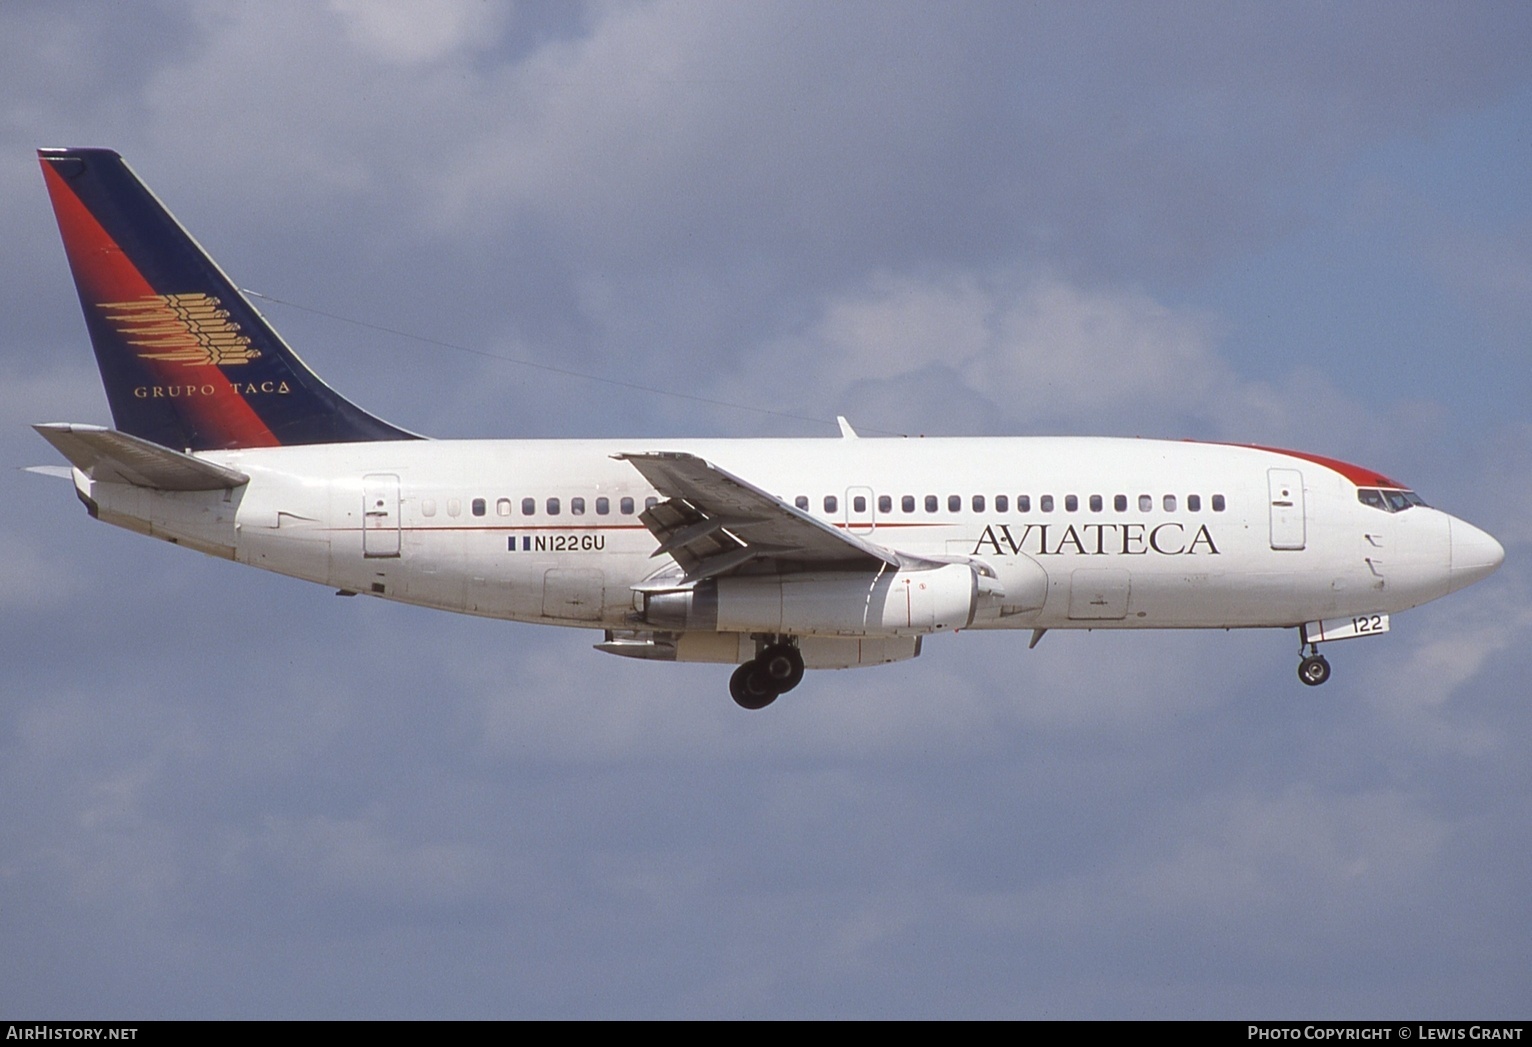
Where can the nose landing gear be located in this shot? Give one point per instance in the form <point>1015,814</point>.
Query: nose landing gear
<point>1314,670</point>
<point>775,671</point>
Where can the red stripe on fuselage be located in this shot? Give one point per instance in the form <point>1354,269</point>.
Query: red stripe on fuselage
<point>104,273</point>
<point>1355,473</point>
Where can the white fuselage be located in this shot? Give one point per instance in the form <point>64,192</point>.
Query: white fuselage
<point>1079,532</point>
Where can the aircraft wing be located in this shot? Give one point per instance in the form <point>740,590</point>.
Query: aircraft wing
<point>712,522</point>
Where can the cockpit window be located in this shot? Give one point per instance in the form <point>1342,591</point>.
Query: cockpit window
<point>1390,501</point>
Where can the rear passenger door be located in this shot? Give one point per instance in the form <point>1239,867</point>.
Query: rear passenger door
<point>380,515</point>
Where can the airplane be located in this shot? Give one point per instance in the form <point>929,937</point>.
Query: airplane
<point>772,555</point>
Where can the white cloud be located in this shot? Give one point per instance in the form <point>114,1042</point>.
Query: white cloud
<point>1425,697</point>
<point>1238,861</point>
<point>1021,351</point>
<point>409,32</point>
<point>360,857</point>
<point>32,578</point>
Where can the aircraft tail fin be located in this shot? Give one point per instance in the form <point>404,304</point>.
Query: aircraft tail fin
<point>188,363</point>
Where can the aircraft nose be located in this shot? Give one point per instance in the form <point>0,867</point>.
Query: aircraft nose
<point>1475,554</point>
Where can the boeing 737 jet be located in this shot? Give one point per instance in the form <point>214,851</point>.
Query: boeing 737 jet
<point>775,555</point>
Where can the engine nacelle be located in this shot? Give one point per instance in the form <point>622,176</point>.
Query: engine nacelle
<point>893,603</point>
<point>819,652</point>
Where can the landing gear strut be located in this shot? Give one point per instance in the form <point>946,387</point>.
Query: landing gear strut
<point>776,670</point>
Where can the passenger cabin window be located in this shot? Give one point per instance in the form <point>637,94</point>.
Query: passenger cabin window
<point>1071,504</point>
<point>802,502</point>
<point>1170,503</point>
<point>978,503</point>
<point>931,503</point>
<point>625,507</point>
<point>577,506</point>
<point>954,503</point>
<point>503,507</point>
<point>651,502</point>
<point>1218,503</point>
<point>454,507</point>
<point>1145,503</point>
<point>553,506</point>
<point>831,503</point>
<point>885,503</point>
<point>1095,503</point>
<point>859,503</point>
<point>603,506</point>
<point>528,506</point>
<point>428,507</point>
<point>477,506</point>
<point>1045,503</point>
<point>1194,503</point>
<point>1002,503</point>
<point>1023,503</point>
<point>907,503</point>
<point>1120,502</point>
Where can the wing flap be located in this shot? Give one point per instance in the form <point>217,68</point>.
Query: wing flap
<point>712,522</point>
<point>114,457</point>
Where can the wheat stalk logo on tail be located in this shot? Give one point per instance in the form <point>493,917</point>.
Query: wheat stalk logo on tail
<point>188,329</point>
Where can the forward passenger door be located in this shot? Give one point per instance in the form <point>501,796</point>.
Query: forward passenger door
<point>1287,524</point>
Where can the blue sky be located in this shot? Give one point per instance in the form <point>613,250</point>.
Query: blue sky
<point>224,793</point>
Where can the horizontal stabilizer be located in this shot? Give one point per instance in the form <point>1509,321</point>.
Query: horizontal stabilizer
<point>58,472</point>
<point>109,456</point>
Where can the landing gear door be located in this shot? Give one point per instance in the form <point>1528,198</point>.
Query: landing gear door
<point>380,515</point>
<point>1287,526</point>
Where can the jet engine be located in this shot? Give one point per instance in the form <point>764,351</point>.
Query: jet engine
<point>891,603</point>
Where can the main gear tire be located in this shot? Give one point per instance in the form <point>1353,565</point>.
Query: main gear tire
<point>783,665</point>
<point>751,688</point>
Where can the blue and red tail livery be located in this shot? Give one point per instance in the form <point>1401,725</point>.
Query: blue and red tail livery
<point>187,361</point>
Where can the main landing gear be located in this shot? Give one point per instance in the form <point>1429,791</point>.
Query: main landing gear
<point>776,670</point>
